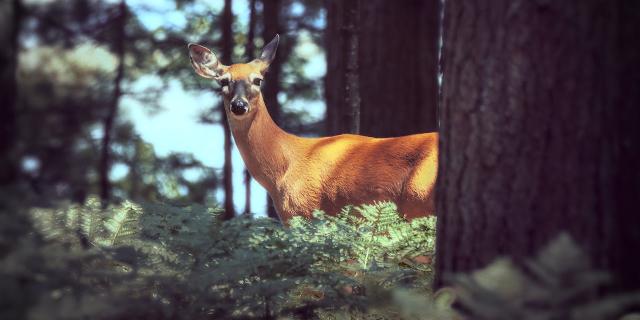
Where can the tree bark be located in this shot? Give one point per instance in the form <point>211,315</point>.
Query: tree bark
<point>350,55</point>
<point>112,112</point>
<point>249,52</point>
<point>271,27</point>
<point>250,48</point>
<point>11,20</point>
<point>333,81</point>
<point>247,192</point>
<point>135,176</point>
<point>227,51</point>
<point>536,133</point>
<point>397,63</point>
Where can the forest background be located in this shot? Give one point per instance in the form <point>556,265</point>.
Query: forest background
<point>120,114</point>
<point>536,105</point>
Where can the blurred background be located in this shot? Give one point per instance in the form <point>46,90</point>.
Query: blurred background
<point>105,102</point>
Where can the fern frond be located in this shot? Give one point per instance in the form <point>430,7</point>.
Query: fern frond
<point>123,225</point>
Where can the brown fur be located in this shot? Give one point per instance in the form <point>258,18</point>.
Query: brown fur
<point>303,174</point>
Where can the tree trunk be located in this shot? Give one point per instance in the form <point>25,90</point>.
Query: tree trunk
<point>249,52</point>
<point>350,55</point>
<point>271,27</point>
<point>247,192</point>
<point>250,47</point>
<point>333,81</point>
<point>227,51</point>
<point>538,132</point>
<point>135,176</point>
<point>271,21</point>
<point>112,112</point>
<point>397,63</point>
<point>11,14</point>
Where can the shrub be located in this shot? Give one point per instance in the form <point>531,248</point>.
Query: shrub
<point>161,261</point>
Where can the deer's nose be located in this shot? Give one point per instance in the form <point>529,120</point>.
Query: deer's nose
<point>239,107</point>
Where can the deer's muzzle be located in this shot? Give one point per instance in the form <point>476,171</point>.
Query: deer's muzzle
<point>239,106</point>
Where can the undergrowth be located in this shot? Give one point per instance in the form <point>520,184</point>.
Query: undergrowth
<point>166,262</point>
<point>156,261</point>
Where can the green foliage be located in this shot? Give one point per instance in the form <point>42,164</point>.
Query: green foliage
<point>159,261</point>
<point>374,235</point>
<point>66,79</point>
<point>166,262</point>
<point>558,284</point>
<point>66,85</point>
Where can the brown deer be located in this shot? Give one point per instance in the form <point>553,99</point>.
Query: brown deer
<point>303,174</point>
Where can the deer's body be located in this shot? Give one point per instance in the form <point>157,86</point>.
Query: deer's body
<point>304,174</point>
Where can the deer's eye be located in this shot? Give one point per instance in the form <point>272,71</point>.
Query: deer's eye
<point>224,82</point>
<point>257,81</point>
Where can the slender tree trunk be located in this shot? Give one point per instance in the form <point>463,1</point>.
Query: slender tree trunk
<point>397,66</point>
<point>134,170</point>
<point>250,48</point>
<point>350,55</point>
<point>112,112</point>
<point>539,132</point>
<point>227,51</point>
<point>249,54</point>
<point>247,192</point>
<point>271,20</point>
<point>334,81</point>
<point>11,17</point>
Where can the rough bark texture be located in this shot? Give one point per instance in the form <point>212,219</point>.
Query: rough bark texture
<point>112,112</point>
<point>537,134</point>
<point>10,13</point>
<point>397,60</point>
<point>227,170</point>
<point>272,26</point>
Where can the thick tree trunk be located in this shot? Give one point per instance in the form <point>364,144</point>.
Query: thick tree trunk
<point>11,16</point>
<point>271,20</point>
<point>227,170</point>
<point>112,112</point>
<point>397,63</point>
<point>537,135</point>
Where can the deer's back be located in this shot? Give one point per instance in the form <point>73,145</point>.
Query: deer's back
<point>349,169</point>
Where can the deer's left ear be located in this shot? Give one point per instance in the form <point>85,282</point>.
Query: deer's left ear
<point>269,52</point>
<point>204,61</point>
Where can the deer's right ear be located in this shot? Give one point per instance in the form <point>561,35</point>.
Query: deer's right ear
<point>204,61</point>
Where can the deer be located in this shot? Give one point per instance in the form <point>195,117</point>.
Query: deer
<point>303,174</point>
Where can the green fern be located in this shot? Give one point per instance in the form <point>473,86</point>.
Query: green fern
<point>91,218</point>
<point>150,254</point>
<point>558,284</point>
<point>123,225</point>
<point>166,262</point>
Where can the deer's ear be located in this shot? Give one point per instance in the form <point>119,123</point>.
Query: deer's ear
<point>269,51</point>
<point>204,61</point>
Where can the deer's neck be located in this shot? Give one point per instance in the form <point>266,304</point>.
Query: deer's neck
<point>266,149</point>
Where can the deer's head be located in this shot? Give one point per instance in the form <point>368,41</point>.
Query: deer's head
<point>240,82</point>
